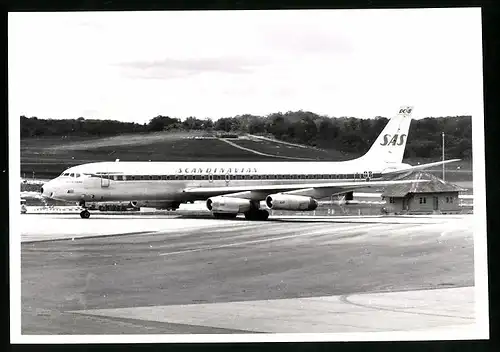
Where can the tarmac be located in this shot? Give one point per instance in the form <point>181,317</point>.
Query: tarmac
<point>133,274</point>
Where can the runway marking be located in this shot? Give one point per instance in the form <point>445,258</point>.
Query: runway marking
<point>317,232</point>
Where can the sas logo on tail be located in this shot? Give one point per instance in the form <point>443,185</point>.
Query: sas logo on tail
<point>405,110</point>
<point>397,139</point>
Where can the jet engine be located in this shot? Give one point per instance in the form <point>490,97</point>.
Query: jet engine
<point>281,201</point>
<point>222,204</point>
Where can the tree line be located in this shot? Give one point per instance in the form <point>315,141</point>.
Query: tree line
<point>348,134</point>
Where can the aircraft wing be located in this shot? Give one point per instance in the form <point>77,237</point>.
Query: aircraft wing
<point>340,187</point>
<point>410,168</point>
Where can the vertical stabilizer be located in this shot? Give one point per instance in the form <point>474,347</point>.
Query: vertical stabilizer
<point>390,145</point>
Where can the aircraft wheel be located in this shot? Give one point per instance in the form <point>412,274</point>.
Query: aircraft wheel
<point>85,214</point>
<point>263,215</point>
<point>250,215</point>
<point>257,215</point>
<point>225,215</point>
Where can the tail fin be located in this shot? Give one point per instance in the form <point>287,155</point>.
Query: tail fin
<point>390,144</point>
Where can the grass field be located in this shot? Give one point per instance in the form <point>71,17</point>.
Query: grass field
<point>283,150</point>
<point>49,156</point>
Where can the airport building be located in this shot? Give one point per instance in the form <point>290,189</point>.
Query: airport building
<point>433,197</point>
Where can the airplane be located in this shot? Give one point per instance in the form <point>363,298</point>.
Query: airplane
<point>232,188</point>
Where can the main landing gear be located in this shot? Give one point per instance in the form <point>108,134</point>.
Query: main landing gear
<point>225,215</point>
<point>258,214</point>
<point>84,214</point>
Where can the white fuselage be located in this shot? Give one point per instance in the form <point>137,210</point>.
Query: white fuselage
<point>165,181</point>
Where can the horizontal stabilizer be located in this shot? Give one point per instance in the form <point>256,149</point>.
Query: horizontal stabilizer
<point>418,167</point>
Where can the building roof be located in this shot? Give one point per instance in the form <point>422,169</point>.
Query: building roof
<point>435,185</point>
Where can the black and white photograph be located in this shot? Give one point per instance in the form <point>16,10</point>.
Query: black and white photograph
<point>247,176</point>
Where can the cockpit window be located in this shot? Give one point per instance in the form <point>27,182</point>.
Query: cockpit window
<point>66,174</point>
<point>77,175</point>
<point>71,175</point>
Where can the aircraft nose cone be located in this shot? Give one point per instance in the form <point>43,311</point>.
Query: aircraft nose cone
<point>47,191</point>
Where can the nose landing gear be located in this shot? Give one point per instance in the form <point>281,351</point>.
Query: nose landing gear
<point>84,214</point>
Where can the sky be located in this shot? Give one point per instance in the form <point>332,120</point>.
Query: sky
<point>133,66</point>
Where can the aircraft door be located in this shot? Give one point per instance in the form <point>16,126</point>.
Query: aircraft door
<point>105,181</point>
